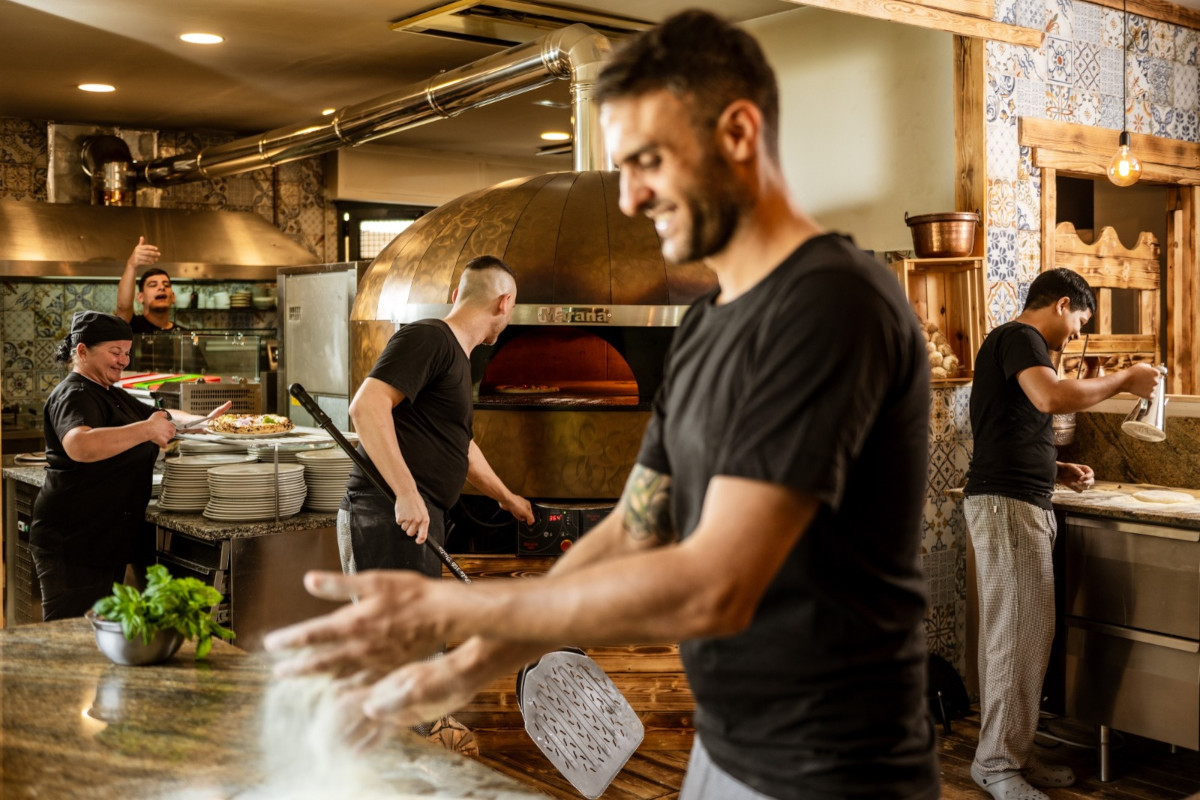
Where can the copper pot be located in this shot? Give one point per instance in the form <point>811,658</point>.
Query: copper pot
<point>948,235</point>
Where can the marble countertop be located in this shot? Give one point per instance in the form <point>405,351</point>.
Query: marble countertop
<point>196,524</point>
<point>72,724</point>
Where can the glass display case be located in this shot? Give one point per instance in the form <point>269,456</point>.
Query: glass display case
<point>203,368</point>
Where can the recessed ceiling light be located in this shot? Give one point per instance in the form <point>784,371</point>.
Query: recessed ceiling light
<point>555,136</point>
<point>325,112</point>
<point>201,38</point>
<point>96,87</point>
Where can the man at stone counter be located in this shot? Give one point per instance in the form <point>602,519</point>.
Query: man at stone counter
<point>772,521</point>
<point>1011,521</point>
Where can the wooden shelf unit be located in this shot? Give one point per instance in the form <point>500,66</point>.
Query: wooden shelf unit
<point>949,293</point>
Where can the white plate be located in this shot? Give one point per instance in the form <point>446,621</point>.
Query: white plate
<point>255,469</point>
<point>244,436</point>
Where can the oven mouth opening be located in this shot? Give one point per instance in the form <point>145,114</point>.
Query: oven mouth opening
<point>557,368</point>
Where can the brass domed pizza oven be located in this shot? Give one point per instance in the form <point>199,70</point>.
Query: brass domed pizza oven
<point>564,395</point>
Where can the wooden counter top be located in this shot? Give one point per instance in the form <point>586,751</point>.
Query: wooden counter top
<point>76,725</point>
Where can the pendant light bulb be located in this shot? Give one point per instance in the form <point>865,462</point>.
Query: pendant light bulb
<point>1124,169</point>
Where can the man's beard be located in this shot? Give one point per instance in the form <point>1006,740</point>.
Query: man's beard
<point>714,211</point>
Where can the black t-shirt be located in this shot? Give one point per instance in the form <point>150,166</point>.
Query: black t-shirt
<point>425,362</point>
<point>1014,442</point>
<point>156,353</point>
<point>816,379</point>
<point>92,513</point>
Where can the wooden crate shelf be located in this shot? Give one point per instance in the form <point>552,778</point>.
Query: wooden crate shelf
<point>948,292</point>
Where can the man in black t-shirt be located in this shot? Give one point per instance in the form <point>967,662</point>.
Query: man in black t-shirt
<point>157,296</point>
<point>772,521</point>
<point>413,415</point>
<point>1011,520</point>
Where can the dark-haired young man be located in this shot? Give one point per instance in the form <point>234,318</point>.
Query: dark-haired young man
<point>1011,479</point>
<point>154,292</point>
<point>772,521</point>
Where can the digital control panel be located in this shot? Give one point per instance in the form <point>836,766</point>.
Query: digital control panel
<point>558,526</point>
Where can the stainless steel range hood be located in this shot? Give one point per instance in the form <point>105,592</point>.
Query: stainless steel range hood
<point>56,240</point>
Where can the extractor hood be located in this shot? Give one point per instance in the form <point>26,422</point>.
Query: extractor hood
<point>57,240</point>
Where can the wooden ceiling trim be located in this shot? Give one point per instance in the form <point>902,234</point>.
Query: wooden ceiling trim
<point>1060,144</point>
<point>935,16</point>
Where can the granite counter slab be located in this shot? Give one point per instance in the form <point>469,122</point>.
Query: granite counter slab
<point>1112,500</point>
<point>75,725</point>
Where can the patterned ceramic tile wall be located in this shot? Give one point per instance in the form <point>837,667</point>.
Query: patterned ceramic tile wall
<point>36,315</point>
<point>944,529</point>
<point>1075,76</point>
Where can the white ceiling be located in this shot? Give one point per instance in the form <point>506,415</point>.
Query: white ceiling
<point>282,62</point>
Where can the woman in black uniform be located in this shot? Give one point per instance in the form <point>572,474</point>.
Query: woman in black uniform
<point>101,444</point>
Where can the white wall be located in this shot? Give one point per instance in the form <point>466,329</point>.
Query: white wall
<point>867,120</point>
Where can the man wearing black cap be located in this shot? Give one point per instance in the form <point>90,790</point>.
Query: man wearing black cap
<point>101,444</point>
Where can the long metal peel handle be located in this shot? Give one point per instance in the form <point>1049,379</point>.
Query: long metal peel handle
<point>310,405</point>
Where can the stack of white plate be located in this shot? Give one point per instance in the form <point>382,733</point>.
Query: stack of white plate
<point>325,472</point>
<point>265,451</point>
<point>249,491</point>
<point>194,447</point>
<point>185,479</point>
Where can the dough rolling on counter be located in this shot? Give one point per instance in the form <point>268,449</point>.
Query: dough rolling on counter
<point>1136,502</point>
<point>76,725</point>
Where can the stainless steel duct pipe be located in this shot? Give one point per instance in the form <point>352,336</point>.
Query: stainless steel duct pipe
<point>576,52</point>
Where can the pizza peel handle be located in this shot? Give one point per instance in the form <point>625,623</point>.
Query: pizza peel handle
<point>310,405</point>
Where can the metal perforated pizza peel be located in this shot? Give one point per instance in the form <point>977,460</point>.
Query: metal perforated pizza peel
<point>572,710</point>
<point>578,719</point>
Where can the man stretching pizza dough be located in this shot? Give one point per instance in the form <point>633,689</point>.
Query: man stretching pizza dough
<point>413,415</point>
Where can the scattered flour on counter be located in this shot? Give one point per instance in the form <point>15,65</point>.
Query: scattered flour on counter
<point>1163,496</point>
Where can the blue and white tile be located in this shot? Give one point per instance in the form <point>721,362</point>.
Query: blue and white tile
<point>1001,255</point>
<point>1162,121</point>
<point>939,472</point>
<point>1001,303</point>
<point>1111,113</point>
<point>1157,73</point>
<point>43,352</point>
<point>1139,116</point>
<point>1187,46</point>
<point>1028,205</point>
<point>941,421</point>
<point>1187,126</point>
<point>1031,98</point>
<point>1086,23</point>
<point>48,324</point>
<point>1059,22</point>
<point>1185,82</point>
<point>1002,204</point>
<point>46,380</point>
<point>1087,67</point>
<point>1000,106</point>
<point>1003,153</point>
<point>18,354</point>
<point>1030,14</point>
<point>1112,70</point>
<point>1060,60</point>
<point>1138,35</point>
<point>77,297</point>
<point>19,384</point>
<point>1005,11</point>
<point>1023,292</point>
<point>1031,63</point>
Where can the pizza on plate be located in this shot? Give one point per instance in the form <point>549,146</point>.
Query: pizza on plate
<point>250,424</point>
<point>526,388</point>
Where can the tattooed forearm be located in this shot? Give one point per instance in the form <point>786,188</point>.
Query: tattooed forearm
<point>646,505</point>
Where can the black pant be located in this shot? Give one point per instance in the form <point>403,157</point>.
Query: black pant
<point>378,542</point>
<point>69,590</point>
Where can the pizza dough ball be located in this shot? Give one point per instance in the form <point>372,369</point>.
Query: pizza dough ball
<point>935,359</point>
<point>931,347</point>
<point>939,372</point>
<point>1163,496</point>
<point>950,363</point>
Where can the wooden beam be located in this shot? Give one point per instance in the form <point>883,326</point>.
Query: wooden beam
<point>970,133</point>
<point>925,15</point>
<point>1069,137</point>
<point>1049,214</point>
<point>1097,165</point>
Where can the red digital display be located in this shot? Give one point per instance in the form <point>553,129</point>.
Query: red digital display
<point>554,518</point>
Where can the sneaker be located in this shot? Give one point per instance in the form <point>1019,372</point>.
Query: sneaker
<point>453,735</point>
<point>1009,785</point>
<point>1047,776</point>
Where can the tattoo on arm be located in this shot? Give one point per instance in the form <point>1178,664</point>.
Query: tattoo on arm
<point>646,505</point>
